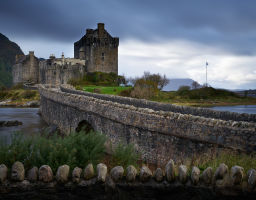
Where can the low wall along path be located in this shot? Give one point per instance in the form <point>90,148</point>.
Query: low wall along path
<point>129,183</point>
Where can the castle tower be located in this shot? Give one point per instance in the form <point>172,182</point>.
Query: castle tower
<point>26,69</point>
<point>99,49</point>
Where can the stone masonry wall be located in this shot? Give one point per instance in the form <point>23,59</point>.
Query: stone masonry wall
<point>26,69</point>
<point>156,134</point>
<point>60,71</point>
<point>142,103</point>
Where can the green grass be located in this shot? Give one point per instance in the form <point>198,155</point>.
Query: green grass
<point>18,96</point>
<point>114,90</point>
<point>125,155</point>
<point>75,150</point>
<point>203,97</point>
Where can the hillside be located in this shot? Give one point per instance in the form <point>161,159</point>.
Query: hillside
<point>174,84</point>
<point>8,50</point>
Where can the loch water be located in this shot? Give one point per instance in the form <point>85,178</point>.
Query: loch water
<point>249,109</point>
<point>32,122</point>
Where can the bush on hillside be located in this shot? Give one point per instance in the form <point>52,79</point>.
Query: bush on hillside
<point>148,86</point>
<point>28,94</point>
<point>99,78</point>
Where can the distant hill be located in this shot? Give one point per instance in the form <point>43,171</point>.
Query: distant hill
<point>8,51</point>
<point>174,84</point>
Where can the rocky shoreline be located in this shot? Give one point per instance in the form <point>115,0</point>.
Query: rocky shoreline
<point>9,103</point>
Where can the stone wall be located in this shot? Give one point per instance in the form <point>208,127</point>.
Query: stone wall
<point>142,103</point>
<point>26,69</point>
<point>129,183</point>
<point>60,71</point>
<point>156,134</point>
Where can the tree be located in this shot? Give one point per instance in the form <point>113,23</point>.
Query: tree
<point>148,85</point>
<point>159,80</point>
<point>195,85</point>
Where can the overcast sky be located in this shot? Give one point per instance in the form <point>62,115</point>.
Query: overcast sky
<point>172,37</point>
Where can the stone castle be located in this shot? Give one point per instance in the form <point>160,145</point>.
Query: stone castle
<point>97,50</point>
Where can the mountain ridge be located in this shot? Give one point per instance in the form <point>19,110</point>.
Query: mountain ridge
<point>8,51</point>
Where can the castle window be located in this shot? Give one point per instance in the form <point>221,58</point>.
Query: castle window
<point>102,56</point>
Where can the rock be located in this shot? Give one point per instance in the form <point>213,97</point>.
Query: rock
<point>76,174</point>
<point>145,174</point>
<point>195,175</point>
<point>117,173</point>
<point>62,174</point>
<point>33,174</point>
<point>237,174</point>
<point>183,173</point>
<point>102,171</point>
<point>3,173</point>
<point>159,175</point>
<point>18,171</point>
<point>32,104</point>
<point>221,171</point>
<point>251,178</point>
<point>45,174</point>
<point>10,123</point>
<point>207,175</point>
<point>25,184</point>
<point>88,172</point>
<point>170,171</point>
<point>110,183</point>
<point>131,173</point>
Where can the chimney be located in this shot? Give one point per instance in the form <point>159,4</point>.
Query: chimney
<point>89,31</point>
<point>100,29</point>
<point>31,55</point>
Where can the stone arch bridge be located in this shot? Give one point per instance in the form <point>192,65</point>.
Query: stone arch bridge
<point>159,131</point>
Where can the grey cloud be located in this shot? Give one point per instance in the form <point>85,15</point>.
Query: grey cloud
<point>230,23</point>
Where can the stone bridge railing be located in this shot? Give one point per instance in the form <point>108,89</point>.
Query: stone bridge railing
<point>129,183</point>
<point>157,133</point>
<point>142,103</point>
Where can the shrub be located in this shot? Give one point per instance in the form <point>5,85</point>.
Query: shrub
<point>29,94</point>
<point>17,86</point>
<point>126,93</point>
<point>97,90</point>
<point>3,94</point>
<point>77,149</point>
<point>125,155</point>
<point>144,89</point>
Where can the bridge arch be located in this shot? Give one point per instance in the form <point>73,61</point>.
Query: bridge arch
<point>85,126</point>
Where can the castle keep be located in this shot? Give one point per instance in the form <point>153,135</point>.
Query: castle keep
<point>97,50</point>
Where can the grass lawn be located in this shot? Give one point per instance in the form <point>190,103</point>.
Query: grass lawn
<point>114,90</point>
<point>209,101</point>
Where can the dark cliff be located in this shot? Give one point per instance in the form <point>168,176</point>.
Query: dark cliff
<point>8,51</point>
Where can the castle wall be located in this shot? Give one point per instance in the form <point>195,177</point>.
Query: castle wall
<point>60,71</point>
<point>26,69</point>
<point>158,135</point>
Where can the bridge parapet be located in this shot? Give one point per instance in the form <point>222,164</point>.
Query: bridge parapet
<point>142,103</point>
<point>156,133</point>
